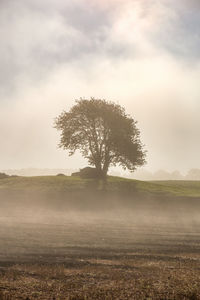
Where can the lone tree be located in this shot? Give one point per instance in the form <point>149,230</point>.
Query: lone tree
<point>103,133</point>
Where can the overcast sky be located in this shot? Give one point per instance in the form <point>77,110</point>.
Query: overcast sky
<point>145,55</point>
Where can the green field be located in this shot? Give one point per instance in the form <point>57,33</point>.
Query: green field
<point>73,193</point>
<point>114,184</point>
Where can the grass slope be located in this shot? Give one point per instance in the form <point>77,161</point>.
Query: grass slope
<point>65,184</point>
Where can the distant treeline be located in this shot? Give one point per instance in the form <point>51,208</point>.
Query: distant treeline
<point>193,174</point>
<point>38,172</point>
<point>140,174</point>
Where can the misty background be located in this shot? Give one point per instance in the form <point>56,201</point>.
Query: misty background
<point>144,56</point>
<point>140,174</point>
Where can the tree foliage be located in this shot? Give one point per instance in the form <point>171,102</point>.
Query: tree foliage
<point>104,134</point>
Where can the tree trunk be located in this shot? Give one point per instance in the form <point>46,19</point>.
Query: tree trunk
<point>102,170</point>
<point>105,169</point>
<point>99,170</point>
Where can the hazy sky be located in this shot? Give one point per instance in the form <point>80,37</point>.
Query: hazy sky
<point>143,54</point>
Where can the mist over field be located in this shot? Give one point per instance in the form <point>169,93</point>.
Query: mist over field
<point>63,237</point>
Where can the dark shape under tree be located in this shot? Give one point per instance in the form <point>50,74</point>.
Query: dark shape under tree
<point>87,172</point>
<point>103,133</point>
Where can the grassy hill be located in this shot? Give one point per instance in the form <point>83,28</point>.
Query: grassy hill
<point>80,193</point>
<point>68,183</point>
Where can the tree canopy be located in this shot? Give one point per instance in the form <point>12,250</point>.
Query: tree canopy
<point>103,133</point>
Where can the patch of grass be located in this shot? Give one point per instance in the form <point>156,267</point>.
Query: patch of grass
<point>180,187</point>
<point>173,187</point>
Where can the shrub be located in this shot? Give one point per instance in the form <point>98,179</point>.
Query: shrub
<point>3,175</point>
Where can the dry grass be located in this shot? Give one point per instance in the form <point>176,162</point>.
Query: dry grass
<point>139,278</point>
<point>112,261</point>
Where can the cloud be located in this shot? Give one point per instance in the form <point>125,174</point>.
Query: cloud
<point>142,55</point>
<point>180,35</point>
<point>40,36</point>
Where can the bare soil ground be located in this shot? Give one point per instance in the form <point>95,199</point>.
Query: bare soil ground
<point>67,258</point>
